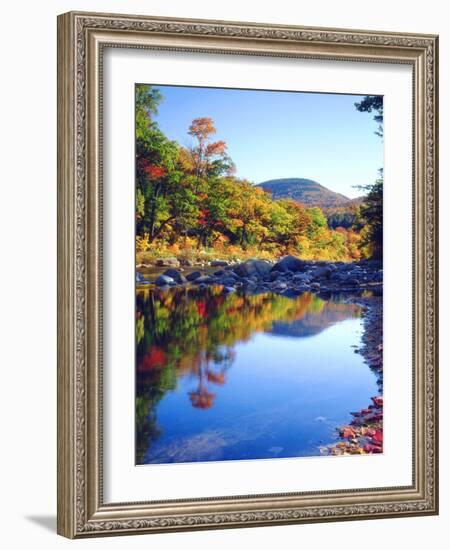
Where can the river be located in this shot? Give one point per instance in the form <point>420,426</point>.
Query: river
<point>237,377</point>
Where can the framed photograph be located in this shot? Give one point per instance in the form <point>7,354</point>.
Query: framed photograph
<point>247,279</point>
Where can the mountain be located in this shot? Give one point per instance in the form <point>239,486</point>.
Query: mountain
<point>315,322</point>
<point>306,191</point>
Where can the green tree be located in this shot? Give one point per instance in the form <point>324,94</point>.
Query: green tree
<point>369,217</point>
<point>373,103</point>
<point>370,220</point>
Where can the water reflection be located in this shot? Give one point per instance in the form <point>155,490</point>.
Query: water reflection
<point>190,340</point>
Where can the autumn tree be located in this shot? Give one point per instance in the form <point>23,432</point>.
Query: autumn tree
<point>190,196</point>
<point>249,215</point>
<point>209,157</point>
<point>156,158</point>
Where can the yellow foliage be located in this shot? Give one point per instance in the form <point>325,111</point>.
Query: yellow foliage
<point>143,243</point>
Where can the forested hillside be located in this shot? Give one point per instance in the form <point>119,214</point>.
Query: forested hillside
<point>190,201</point>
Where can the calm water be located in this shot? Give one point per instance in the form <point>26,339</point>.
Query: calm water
<point>222,377</point>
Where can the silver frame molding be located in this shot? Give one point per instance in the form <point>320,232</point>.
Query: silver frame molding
<point>81,39</point>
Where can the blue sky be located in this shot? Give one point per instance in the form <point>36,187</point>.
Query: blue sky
<point>282,134</point>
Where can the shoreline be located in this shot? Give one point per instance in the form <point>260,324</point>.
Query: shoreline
<point>289,276</point>
<point>364,433</point>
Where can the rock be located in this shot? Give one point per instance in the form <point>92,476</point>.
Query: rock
<point>301,277</point>
<point>347,267</point>
<point>168,262</point>
<point>175,275</point>
<point>218,263</point>
<point>220,273</point>
<point>378,276</point>
<point>279,286</point>
<point>315,286</point>
<point>372,264</point>
<point>273,276</point>
<point>204,280</point>
<point>140,278</point>
<point>162,280</point>
<point>338,276</point>
<point>194,275</point>
<point>226,281</point>
<point>228,290</point>
<point>227,272</point>
<point>322,272</point>
<point>250,268</point>
<point>290,263</point>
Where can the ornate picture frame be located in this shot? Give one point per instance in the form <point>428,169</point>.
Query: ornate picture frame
<point>82,38</point>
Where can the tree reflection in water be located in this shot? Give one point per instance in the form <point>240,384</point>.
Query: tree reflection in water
<point>192,331</point>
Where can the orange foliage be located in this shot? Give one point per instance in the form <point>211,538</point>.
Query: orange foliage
<point>202,128</point>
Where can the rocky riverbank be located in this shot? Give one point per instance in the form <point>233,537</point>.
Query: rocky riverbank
<point>290,276</point>
<point>364,433</point>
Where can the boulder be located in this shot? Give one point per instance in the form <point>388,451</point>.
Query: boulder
<point>175,275</point>
<point>204,280</point>
<point>290,263</point>
<point>140,278</point>
<point>162,280</point>
<point>338,277</point>
<point>218,263</point>
<point>228,290</point>
<point>273,276</point>
<point>226,281</point>
<point>378,276</point>
<point>301,277</point>
<point>194,275</point>
<point>322,272</point>
<point>372,264</point>
<point>279,286</point>
<point>168,262</point>
<point>251,268</point>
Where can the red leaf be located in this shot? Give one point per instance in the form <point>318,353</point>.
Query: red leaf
<point>372,449</point>
<point>378,436</point>
<point>155,358</point>
<point>155,171</point>
<point>201,308</point>
<point>347,432</point>
<point>378,401</point>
